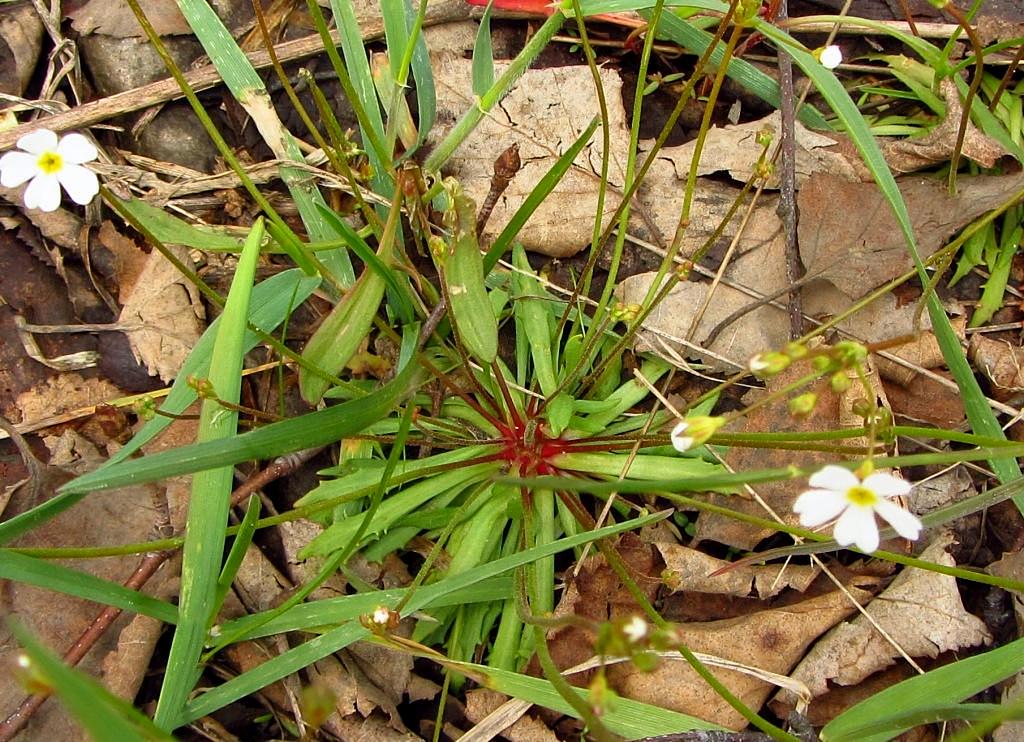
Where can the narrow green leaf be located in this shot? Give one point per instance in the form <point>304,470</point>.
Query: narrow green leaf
<point>934,689</point>
<point>54,576</point>
<point>103,715</point>
<point>211,494</point>
<point>467,297</point>
<point>240,545</point>
<point>315,429</point>
<point>400,292</point>
<point>483,55</point>
<point>623,716</point>
<point>338,337</point>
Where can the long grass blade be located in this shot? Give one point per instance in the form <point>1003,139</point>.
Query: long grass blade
<point>211,492</point>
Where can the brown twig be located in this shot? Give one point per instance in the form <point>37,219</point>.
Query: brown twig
<point>787,183</point>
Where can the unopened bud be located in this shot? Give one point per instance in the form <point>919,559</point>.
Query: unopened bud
<point>764,365</point>
<point>849,353</point>
<point>840,382</point>
<point>803,405</point>
<point>695,431</point>
<point>203,387</point>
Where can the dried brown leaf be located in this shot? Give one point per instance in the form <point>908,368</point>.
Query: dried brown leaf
<point>1003,364</point>
<point>544,114</point>
<point>917,153</point>
<point>115,18</point>
<point>161,313</point>
<point>921,611</point>
<point>860,246</point>
<point>772,640</point>
<point>689,570</point>
<point>734,149</point>
<point>21,39</point>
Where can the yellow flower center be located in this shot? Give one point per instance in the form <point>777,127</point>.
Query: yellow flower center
<point>861,496</point>
<point>50,163</point>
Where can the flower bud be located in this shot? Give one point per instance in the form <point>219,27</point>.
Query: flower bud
<point>840,382</point>
<point>764,365</point>
<point>695,431</point>
<point>803,405</point>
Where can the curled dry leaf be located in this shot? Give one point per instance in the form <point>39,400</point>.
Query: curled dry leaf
<point>733,149</point>
<point>161,311</point>
<point>1003,364</point>
<point>689,570</point>
<point>921,611</point>
<point>907,155</point>
<point>21,38</point>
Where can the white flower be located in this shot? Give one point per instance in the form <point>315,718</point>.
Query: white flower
<point>381,615</point>
<point>49,164</point>
<point>831,57</point>
<point>839,492</point>
<point>635,629</point>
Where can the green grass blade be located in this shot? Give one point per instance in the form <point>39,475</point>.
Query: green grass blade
<point>739,70</point>
<point>356,62</point>
<point>330,642</point>
<point>320,615</point>
<point>483,55</point>
<point>211,493</point>
<point>933,690</point>
<point>243,539</point>
<point>103,715</point>
<point>400,297</point>
<point>315,429</point>
<point>340,334</point>
<point>623,716</point>
<point>248,89</point>
<point>544,186</point>
<point>53,576</point>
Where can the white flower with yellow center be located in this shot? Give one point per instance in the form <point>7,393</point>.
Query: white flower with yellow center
<point>838,492</point>
<point>49,164</point>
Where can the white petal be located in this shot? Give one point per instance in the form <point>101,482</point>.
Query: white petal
<point>16,168</point>
<point>80,183</point>
<point>819,506</point>
<point>76,149</point>
<point>831,57</point>
<point>38,141</point>
<point>906,523</point>
<point>43,193</point>
<point>834,477</point>
<point>682,443</point>
<point>857,526</point>
<point>885,484</point>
